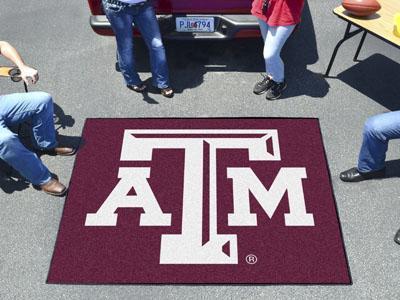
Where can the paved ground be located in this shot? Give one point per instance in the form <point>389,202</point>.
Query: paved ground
<point>212,79</point>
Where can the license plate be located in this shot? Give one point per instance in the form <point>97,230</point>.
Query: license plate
<point>194,24</point>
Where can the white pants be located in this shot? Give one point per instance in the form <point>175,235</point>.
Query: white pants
<point>275,38</point>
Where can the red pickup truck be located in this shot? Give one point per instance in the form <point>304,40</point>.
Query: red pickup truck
<point>190,19</point>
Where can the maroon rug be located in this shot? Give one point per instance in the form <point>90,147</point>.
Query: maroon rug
<point>200,201</point>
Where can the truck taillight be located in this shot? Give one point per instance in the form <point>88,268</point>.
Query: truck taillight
<point>95,7</point>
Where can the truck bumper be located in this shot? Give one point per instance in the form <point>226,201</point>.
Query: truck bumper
<point>226,27</point>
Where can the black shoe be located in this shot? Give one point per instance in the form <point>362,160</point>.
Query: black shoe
<point>397,237</point>
<point>276,89</point>
<point>61,151</point>
<point>353,175</point>
<point>262,86</point>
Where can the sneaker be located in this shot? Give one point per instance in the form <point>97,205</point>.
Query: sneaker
<point>262,86</point>
<point>276,89</point>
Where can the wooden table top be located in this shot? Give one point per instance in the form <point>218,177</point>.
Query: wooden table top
<point>4,71</point>
<point>381,23</point>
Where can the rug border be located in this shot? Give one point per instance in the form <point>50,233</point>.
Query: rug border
<point>350,283</point>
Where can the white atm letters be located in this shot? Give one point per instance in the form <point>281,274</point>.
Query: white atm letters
<point>188,247</point>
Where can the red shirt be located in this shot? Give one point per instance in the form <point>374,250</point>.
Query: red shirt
<point>280,12</point>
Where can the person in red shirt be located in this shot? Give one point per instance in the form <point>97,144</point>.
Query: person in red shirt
<point>277,19</point>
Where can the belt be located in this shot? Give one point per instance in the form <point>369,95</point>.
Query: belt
<point>116,2</point>
<point>265,6</point>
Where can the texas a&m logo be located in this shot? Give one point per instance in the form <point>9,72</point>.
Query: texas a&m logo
<point>188,246</point>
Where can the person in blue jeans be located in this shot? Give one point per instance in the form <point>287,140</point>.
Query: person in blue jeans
<point>378,131</point>
<point>37,107</point>
<point>121,14</point>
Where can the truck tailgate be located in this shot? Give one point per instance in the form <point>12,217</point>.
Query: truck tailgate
<point>189,19</point>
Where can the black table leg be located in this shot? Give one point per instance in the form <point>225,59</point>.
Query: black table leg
<point>117,62</point>
<point>347,35</point>
<point>360,46</point>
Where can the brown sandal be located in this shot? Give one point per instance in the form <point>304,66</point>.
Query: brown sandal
<point>167,92</point>
<point>137,88</point>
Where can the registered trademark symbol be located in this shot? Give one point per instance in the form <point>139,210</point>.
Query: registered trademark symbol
<point>251,259</point>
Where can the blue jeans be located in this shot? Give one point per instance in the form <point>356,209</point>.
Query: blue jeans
<point>275,38</point>
<point>378,130</point>
<point>144,18</point>
<point>15,109</point>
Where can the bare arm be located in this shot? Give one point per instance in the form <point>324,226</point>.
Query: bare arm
<point>28,74</point>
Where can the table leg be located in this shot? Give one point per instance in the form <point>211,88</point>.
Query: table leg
<point>347,35</point>
<point>360,46</point>
<point>117,62</point>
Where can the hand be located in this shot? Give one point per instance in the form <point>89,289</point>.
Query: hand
<point>29,75</point>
